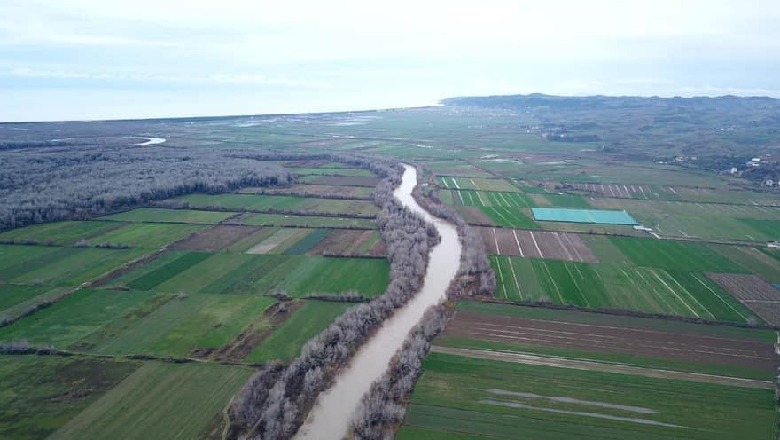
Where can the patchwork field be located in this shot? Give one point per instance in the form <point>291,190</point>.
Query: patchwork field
<point>259,274</point>
<point>703,220</point>
<point>162,215</point>
<point>492,199</point>
<point>644,289</point>
<point>471,398</point>
<point>285,343</point>
<point>339,180</point>
<point>505,371</point>
<point>351,243</point>
<point>59,266</point>
<point>758,295</point>
<point>477,183</point>
<point>357,192</point>
<point>153,400</point>
<point>553,245</point>
<point>41,394</point>
<point>617,191</point>
<point>303,221</point>
<point>257,202</point>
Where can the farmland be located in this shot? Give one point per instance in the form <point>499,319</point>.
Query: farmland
<point>217,283</point>
<point>164,305</point>
<point>546,374</point>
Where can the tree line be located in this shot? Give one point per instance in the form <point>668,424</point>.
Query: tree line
<point>275,401</point>
<point>40,185</point>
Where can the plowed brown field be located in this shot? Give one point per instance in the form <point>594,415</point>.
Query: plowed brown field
<point>554,245</point>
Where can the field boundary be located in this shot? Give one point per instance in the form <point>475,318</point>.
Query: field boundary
<point>628,313</point>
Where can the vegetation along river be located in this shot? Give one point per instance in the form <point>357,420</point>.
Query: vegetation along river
<point>331,415</point>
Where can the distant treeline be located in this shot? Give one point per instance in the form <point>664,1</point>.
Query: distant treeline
<point>647,127</point>
<point>46,184</point>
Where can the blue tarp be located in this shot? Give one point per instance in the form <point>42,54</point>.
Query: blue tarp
<point>596,216</point>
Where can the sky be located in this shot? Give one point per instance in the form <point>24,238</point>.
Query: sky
<point>110,59</point>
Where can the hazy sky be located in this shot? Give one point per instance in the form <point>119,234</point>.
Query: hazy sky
<point>98,59</point>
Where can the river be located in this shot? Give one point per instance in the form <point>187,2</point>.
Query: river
<point>333,411</point>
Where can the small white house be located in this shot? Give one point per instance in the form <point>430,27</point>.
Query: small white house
<point>769,182</point>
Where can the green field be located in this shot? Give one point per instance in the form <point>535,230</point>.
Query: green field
<point>308,221</point>
<point>40,394</point>
<point>332,171</point>
<point>159,400</point>
<point>644,289</point>
<point>182,325</point>
<point>285,343</point>
<point>262,202</point>
<point>74,317</point>
<point>458,397</point>
<point>59,266</point>
<point>101,233</point>
<point>674,255</point>
<point>150,235</point>
<point>162,215</point>
<point>509,217</point>
<point>703,220</point>
<point>259,274</point>
<point>493,199</point>
<point>60,233</point>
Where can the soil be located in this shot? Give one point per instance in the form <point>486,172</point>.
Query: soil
<point>608,339</point>
<point>216,238</point>
<point>755,293</point>
<point>247,340</point>
<point>554,245</point>
<point>347,242</point>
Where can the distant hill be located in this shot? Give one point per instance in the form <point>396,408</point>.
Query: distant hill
<point>652,127</point>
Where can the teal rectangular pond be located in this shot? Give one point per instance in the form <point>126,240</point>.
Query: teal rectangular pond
<point>596,216</point>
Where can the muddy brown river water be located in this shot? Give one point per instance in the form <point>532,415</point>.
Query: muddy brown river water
<point>334,409</point>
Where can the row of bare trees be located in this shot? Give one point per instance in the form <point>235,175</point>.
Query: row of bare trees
<point>383,408</point>
<point>476,274</point>
<point>275,401</point>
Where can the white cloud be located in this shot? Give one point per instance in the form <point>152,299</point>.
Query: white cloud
<point>351,51</point>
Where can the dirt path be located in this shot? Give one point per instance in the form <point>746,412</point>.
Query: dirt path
<point>575,364</point>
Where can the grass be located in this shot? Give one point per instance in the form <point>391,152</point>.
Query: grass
<point>585,317</point>
<point>265,274</point>
<point>40,394</point>
<point>159,401</point>
<point>260,202</point>
<point>624,287</point>
<point>510,217</point>
<point>182,325</point>
<point>161,215</point>
<point>454,395</point>
<point>610,357</point>
<point>285,343</point>
<point>331,171</point>
<point>60,233</point>
<point>11,295</point>
<point>753,260</point>
<point>150,236</point>
<point>308,242</point>
<point>703,220</point>
<point>307,221</point>
<point>74,317</point>
<point>674,255</point>
<point>494,199</point>
<point>61,266</point>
